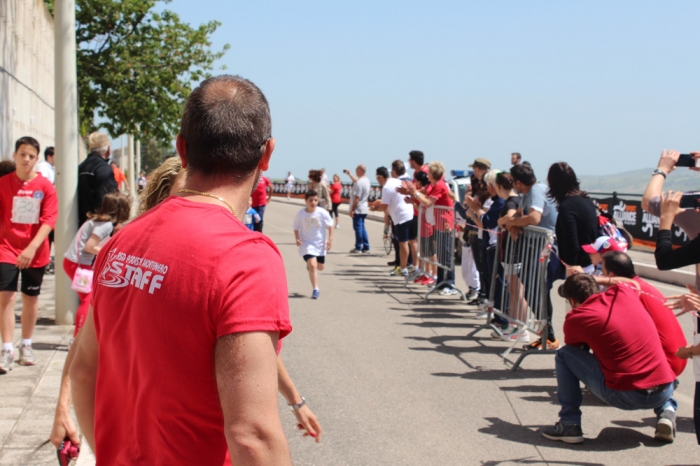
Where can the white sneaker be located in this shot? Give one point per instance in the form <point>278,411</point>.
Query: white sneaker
<point>482,315</point>
<point>525,337</point>
<point>448,291</point>
<point>7,359</point>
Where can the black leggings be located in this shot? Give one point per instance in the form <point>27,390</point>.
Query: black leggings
<point>334,209</point>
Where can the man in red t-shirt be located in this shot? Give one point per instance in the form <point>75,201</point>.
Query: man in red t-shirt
<point>261,196</point>
<point>628,368</point>
<point>177,362</point>
<point>28,213</point>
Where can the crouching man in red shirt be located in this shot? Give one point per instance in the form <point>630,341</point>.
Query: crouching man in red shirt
<point>177,362</point>
<point>628,368</point>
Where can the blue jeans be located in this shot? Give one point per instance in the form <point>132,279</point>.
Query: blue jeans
<point>361,238</point>
<point>261,211</point>
<point>491,263</point>
<point>575,365</point>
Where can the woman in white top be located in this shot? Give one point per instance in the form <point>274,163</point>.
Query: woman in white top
<point>88,241</point>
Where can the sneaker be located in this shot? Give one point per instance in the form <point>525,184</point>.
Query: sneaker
<point>666,426</point>
<point>411,270</point>
<point>428,281</point>
<point>569,433</point>
<point>392,263</point>
<point>315,294</point>
<point>415,275</point>
<point>366,251</point>
<point>355,251</point>
<point>337,226</point>
<point>472,295</point>
<point>420,279</point>
<point>7,359</point>
<point>515,336</point>
<point>448,291</point>
<point>482,315</point>
<point>395,271</point>
<point>475,302</point>
<point>26,356</point>
<point>537,344</point>
<point>504,328</point>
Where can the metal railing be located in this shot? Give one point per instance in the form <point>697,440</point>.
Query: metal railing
<point>518,290</point>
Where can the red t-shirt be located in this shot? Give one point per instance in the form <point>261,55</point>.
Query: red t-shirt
<point>260,194</point>
<point>621,334</point>
<point>670,331</point>
<point>426,229</point>
<point>37,202</point>
<point>444,218</point>
<point>335,193</point>
<point>170,284</point>
<point>423,169</point>
<point>119,176</point>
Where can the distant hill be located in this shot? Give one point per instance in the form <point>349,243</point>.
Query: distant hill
<point>634,182</point>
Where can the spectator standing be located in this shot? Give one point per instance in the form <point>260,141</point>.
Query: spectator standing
<point>359,208</point>
<point>577,221</point>
<point>95,177</point>
<point>202,289</point>
<point>289,183</point>
<point>119,177</point>
<point>537,208</point>
<point>141,182</point>
<point>336,199</point>
<point>628,368</point>
<point>115,210</point>
<point>428,274</point>
<point>261,196</point>
<point>515,158</point>
<point>316,184</point>
<point>415,161</point>
<point>324,177</point>
<point>46,166</point>
<point>310,225</point>
<point>29,209</point>
<point>479,201</point>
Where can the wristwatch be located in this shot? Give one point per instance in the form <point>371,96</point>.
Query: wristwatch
<point>297,406</point>
<point>659,172</point>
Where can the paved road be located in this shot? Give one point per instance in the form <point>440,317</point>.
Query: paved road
<point>393,379</point>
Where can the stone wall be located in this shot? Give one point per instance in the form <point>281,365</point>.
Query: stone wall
<point>26,74</point>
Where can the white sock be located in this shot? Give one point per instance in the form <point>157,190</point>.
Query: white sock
<point>26,342</point>
<point>316,289</point>
<point>403,270</point>
<point>8,346</point>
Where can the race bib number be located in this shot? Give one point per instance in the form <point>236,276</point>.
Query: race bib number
<point>26,210</point>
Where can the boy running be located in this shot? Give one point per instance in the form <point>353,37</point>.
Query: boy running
<point>28,213</point>
<point>251,216</point>
<point>310,226</point>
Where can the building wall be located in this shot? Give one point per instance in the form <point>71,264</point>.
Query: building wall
<point>26,74</point>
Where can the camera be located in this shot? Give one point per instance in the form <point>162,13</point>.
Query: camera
<point>687,160</point>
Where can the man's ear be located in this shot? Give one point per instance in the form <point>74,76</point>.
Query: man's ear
<point>181,146</point>
<point>267,153</point>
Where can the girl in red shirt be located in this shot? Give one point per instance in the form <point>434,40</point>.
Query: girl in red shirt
<point>336,200</point>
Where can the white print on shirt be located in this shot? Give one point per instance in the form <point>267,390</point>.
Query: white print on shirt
<point>311,223</point>
<point>121,270</point>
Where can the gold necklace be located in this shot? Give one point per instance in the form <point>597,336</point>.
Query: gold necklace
<point>213,196</point>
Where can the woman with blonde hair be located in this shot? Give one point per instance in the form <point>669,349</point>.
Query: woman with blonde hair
<point>164,181</point>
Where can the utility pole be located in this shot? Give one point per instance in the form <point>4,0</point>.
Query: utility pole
<point>66,116</point>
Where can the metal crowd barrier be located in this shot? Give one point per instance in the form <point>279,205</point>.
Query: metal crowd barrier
<point>519,286</point>
<point>436,242</point>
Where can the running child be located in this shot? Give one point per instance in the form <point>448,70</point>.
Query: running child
<point>310,226</point>
<point>251,216</point>
<point>28,213</point>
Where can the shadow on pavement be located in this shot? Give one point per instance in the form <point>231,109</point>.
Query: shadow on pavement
<point>435,315</point>
<point>536,461</point>
<point>683,424</point>
<point>609,439</point>
<point>49,347</point>
<point>457,350</point>
<point>501,374</point>
<point>297,295</point>
<point>549,390</point>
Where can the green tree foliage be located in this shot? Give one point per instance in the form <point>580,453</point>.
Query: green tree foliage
<point>136,66</point>
<point>153,154</point>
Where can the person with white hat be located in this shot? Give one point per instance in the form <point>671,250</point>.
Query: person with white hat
<point>95,176</point>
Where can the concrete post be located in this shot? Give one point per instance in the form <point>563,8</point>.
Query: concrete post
<point>67,134</point>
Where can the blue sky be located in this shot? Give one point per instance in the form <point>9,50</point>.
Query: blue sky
<point>603,85</point>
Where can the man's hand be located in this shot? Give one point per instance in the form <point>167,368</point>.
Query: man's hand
<point>26,257</point>
<point>351,213</point>
<point>671,204</point>
<point>403,189</point>
<point>63,427</point>
<point>308,422</point>
<point>669,159</point>
<point>409,187</point>
<point>685,352</point>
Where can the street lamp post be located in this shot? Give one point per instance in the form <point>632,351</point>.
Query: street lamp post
<point>66,104</point>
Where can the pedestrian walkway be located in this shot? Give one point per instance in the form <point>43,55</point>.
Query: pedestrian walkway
<point>393,379</point>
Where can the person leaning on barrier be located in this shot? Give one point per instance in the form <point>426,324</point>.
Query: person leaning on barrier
<point>95,177</point>
<point>536,209</point>
<point>628,368</point>
<point>439,196</point>
<point>478,201</point>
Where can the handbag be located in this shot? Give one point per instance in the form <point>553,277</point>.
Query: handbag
<point>82,280</point>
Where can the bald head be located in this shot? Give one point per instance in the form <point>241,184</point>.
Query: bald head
<point>225,124</point>
<point>361,170</point>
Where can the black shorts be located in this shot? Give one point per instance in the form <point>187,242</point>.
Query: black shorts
<point>31,279</point>
<point>427,246</point>
<point>414,227</point>
<point>319,259</point>
<point>403,232</point>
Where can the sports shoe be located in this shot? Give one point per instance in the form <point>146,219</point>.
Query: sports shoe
<point>355,251</point>
<point>337,226</point>
<point>666,426</point>
<point>568,433</point>
<point>26,356</point>
<point>537,344</point>
<point>473,294</point>
<point>411,270</point>
<point>415,275</point>
<point>478,301</point>
<point>420,279</point>
<point>315,294</point>
<point>504,328</point>
<point>482,315</point>
<point>428,281</point>
<point>515,336</point>
<point>7,359</point>
<point>365,251</point>
<point>392,263</point>
<point>395,271</point>
<point>448,291</point>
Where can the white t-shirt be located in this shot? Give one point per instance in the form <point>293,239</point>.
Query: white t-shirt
<point>46,170</point>
<point>312,227</point>
<point>290,180</point>
<point>100,229</point>
<point>400,211</point>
